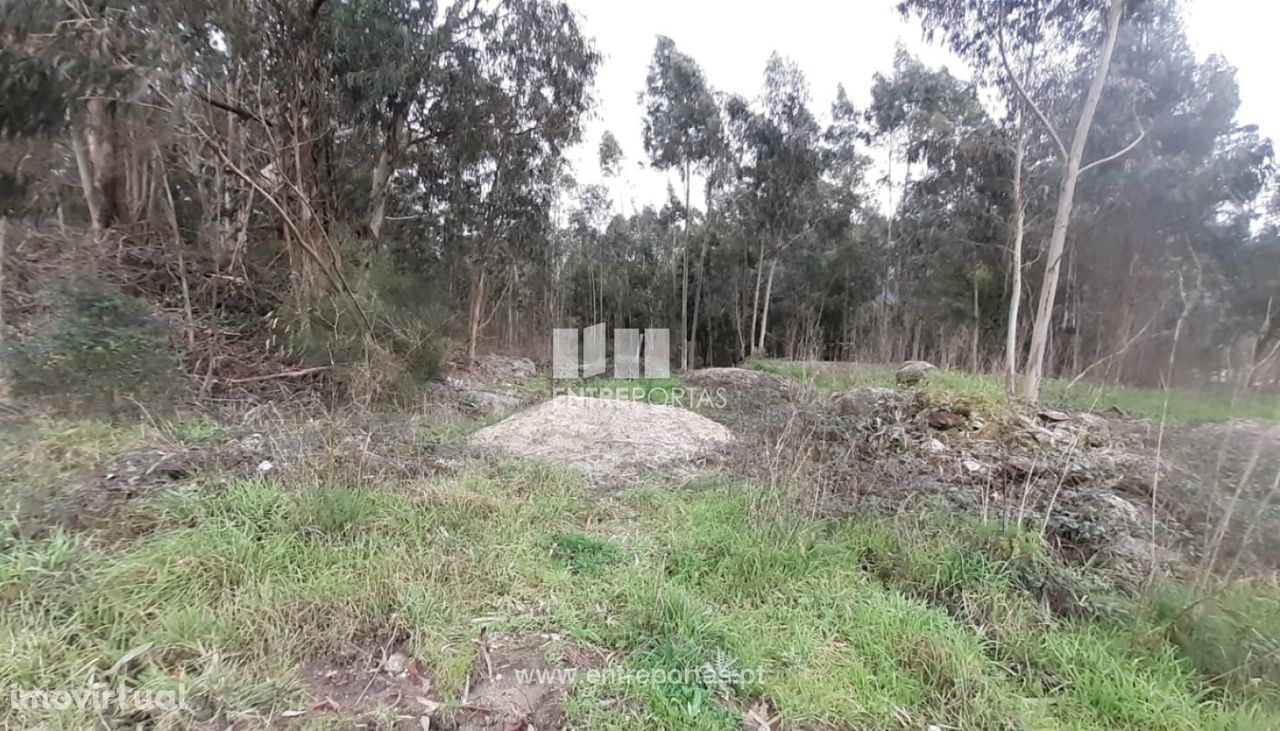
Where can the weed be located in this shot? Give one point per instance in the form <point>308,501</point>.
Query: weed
<point>988,391</point>
<point>583,554</point>
<point>870,624</point>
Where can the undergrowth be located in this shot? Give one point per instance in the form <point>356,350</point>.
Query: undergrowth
<point>874,623</point>
<point>1176,405</point>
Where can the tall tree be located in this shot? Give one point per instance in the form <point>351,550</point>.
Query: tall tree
<point>979,29</point>
<point>681,131</point>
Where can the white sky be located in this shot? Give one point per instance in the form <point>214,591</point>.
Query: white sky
<point>835,41</point>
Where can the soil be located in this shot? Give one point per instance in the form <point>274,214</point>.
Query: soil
<point>513,686</point>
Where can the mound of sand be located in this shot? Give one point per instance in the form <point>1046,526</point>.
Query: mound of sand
<point>604,437</point>
<point>737,378</point>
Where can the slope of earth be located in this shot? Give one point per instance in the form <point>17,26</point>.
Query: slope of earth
<point>381,575</point>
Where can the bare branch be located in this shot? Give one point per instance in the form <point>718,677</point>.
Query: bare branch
<point>1026,97</point>
<point>239,111</point>
<point>1126,150</point>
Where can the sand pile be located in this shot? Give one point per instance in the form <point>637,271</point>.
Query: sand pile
<point>605,437</point>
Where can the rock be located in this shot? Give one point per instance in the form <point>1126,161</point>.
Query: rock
<point>913,372</point>
<point>935,446</point>
<point>395,663</point>
<point>862,402</point>
<point>480,399</point>
<point>492,404</point>
<point>944,420</point>
<point>1053,416</point>
<point>1018,466</point>
<point>507,366</point>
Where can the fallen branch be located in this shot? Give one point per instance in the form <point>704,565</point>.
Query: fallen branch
<point>285,374</point>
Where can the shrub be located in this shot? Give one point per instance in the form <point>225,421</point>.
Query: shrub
<point>93,348</point>
<point>399,348</point>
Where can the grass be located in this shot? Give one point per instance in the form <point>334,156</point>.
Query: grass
<point>876,623</point>
<point>1182,405</point>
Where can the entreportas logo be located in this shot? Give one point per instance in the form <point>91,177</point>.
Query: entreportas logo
<point>639,355</point>
<point>632,347</point>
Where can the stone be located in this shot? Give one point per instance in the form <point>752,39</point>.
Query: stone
<point>395,663</point>
<point>1019,466</point>
<point>862,402</point>
<point>944,420</point>
<point>913,372</point>
<point>492,404</point>
<point>507,366</point>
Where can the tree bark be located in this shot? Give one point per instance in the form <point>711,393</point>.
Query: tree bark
<point>4,368</point>
<point>382,175</point>
<point>1015,267</point>
<point>764,314</point>
<point>977,327</point>
<point>1066,199</point>
<point>92,197</point>
<point>702,273</point>
<point>755,299</point>
<point>101,138</point>
<point>477,311</point>
<point>684,282</point>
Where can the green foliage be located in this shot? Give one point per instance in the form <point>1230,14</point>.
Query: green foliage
<point>977,389</point>
<point>1230,634</point>
<point>682,120</point>
<point>94,348</point>
<point>401,347</point>
<point>863,624</point>
<point>583,554</point>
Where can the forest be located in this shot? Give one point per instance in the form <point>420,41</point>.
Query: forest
<point>284,443</point>
<point>362,189</point>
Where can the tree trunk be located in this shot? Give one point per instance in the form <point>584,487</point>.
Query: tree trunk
<point>1015,267</point>
<point>755,300</point>
<point>4,369</point>
<point>382,175</point>
<point>702,273</point>
<point>684,282</point>
<point>107,180</point>
<point>764,314</point>
<point>1066,199</point>
<point>738,318</point>
<point>476,312</point>
<point>977,327</point>
<point>92,196</point>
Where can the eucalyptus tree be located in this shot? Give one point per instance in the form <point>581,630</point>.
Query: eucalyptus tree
<point>779,176</point>
<point>682,130</point>
<point>980,30</point>
<point>921,114</point>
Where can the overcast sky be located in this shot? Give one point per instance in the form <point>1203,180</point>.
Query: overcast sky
<point>837,42</point>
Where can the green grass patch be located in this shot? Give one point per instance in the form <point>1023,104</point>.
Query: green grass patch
<point>981,389</point>
<point>583,554</point>
<point>933,619</point>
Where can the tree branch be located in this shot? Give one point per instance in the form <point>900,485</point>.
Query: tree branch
<point>1022,92</point>
<point>1141,134</point>
<point>237,110</point>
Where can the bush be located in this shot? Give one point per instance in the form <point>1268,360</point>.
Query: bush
<point>399,349</point>
<point>93,348</point>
